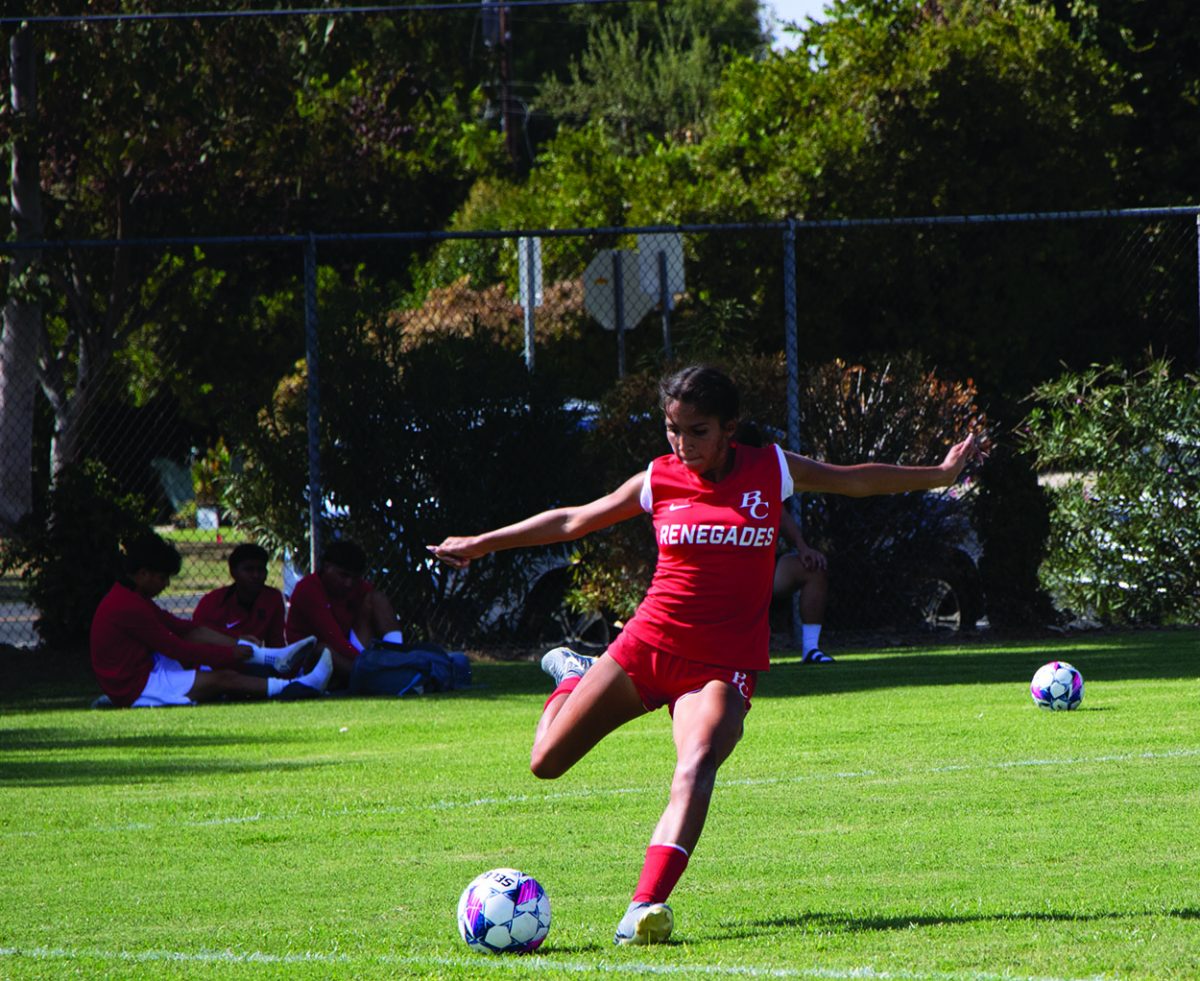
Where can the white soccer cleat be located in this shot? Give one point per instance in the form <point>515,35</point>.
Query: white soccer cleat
<point>562,662</point>
<point>645,923</point>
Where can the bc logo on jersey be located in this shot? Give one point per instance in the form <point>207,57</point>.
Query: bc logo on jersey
<point>752,501</point>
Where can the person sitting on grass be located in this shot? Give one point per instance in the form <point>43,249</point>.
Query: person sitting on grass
<point>144,656</point>
<point>342,609</point>
<point>249,609</point>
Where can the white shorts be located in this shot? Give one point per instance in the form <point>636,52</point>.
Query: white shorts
<point>168,684</point>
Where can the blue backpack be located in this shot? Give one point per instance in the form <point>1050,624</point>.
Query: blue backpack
<point>391,669</point>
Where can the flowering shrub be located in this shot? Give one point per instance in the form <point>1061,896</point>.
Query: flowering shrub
<point>1125,518</point>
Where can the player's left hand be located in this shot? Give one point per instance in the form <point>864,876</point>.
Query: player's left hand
<point>958,456</point>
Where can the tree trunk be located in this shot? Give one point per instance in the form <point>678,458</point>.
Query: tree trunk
<point>21,326</point>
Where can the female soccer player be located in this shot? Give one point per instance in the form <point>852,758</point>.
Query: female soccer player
<point>701,634</point>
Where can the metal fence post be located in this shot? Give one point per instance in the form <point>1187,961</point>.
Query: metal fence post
<point>664,299</point>
<point>529,299</point>
<point>619,315</point>
<point>792,347</point>
<point>314,402</point>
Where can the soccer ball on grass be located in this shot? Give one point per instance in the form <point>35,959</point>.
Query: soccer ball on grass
<point>504,912</point>
<point>1057,685</point>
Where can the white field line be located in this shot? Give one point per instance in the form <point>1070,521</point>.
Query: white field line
<point>552,796</point>
<point>523,965</point>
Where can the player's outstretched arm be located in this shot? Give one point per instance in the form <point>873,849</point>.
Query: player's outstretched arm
<point>545,528</point>
<point>866,479</point>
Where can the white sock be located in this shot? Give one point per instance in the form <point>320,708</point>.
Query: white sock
<point>811,634</point>
<point>319,676</point>
<point>267,656</point>
<point>276,685</point>
<point>394,637</point>
<point>259,655</point>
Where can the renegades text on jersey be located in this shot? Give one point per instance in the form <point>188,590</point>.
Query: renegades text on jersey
<point>709,598</point>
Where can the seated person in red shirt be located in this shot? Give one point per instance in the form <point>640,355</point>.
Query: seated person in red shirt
<point>341,609</point>
<point>144,656</point>
<point>249,609</point>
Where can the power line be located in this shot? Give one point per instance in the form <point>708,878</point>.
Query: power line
<point>398,8</point>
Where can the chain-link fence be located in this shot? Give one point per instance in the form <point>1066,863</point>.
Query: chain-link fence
<point>171,363</point>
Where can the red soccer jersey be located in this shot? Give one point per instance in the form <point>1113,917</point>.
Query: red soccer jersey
<point>312,613</point>
<point>127,631</point>
<point>221,611</point>
<point>711,591</point>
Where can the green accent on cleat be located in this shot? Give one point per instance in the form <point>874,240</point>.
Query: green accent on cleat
<point>645,923</point>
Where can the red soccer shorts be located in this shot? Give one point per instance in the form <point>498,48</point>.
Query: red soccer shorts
<point>662,678</point>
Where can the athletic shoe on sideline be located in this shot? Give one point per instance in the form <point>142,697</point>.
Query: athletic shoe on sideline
<point>817,656</point>
<point>297,691</point>
<point>562,662</point>
<point>290,659</point>
<point>316,680</point>
<point>645,923</point>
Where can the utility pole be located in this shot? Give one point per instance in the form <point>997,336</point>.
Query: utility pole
<point>497,35</point>
<point>508,115</point>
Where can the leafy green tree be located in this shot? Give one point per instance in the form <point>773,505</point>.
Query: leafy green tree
<point>639,83</point>
<point>887,109</point>
<point>902,108</point>
<point>620,61</point>
<point>242,125</point>
<point>1156,46</point>
<point>1125,516</point>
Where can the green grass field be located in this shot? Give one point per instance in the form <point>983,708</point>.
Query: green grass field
<point>905,813</point>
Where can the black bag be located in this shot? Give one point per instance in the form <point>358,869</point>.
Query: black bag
<point>385,668</point>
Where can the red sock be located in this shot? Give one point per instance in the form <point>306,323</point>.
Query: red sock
<point>567,686</point>
<point>664,865</point>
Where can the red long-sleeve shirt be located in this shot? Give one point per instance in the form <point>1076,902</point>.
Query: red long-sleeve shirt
<point>128,630</point>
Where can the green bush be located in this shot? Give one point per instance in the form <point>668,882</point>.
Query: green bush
<point>1125,518</point>
<point>68,550</point>
<point>450,437</point>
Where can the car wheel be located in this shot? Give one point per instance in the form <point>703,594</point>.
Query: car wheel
<point>548,621</point>
<point>952,598</point>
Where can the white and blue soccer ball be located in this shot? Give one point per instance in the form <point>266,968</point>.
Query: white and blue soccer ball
<point>1057,685</point>
<point>504,911</point>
